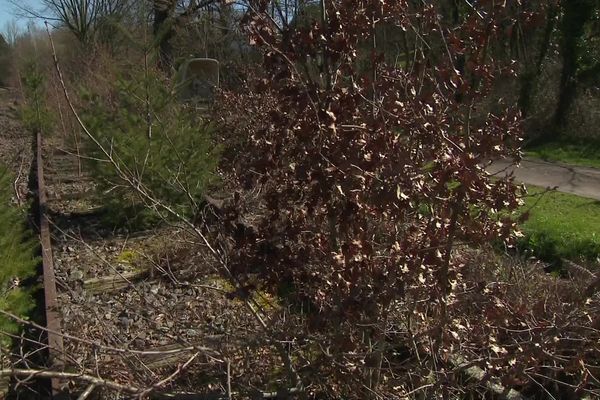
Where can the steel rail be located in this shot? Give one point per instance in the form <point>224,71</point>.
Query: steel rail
<point>53,322</point>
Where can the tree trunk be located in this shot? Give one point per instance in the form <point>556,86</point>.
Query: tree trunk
<point>163,31</point>
<point>532,73</point>
<point>575,15</point>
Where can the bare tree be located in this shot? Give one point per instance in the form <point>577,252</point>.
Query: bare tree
<point>164,11</point>
<point>81,17</point>
<point>11,32</point>
<point>167,14</point>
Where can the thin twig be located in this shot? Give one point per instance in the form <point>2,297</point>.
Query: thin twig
<point>229,379</point>
<point>110,348</point>
<point>16,182</point>
<point>87,392</point>
<point>177,372</point>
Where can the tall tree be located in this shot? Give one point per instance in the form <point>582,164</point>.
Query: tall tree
<point>576,14</point>
<point>532,71</point>
<point>81,17</point>
<point>167,15</point>
<point>11,32</point>
<point>162,27</point>
<point>5,60</point>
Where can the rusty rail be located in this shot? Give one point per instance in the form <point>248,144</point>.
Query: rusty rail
<point>55,340</point>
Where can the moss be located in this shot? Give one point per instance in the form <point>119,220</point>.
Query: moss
<point>266,301</point>
<point>127,257</point>
<point>220,283</point>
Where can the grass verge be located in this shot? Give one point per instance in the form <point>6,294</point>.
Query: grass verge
<point>561,225</point>
<point>578,152</point>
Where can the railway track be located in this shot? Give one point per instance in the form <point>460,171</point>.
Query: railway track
<point>131,308</point>
<point>66,220</point>
<point>53,322</point>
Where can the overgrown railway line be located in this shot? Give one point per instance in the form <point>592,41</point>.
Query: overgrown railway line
<point>120,309</point>
<point>53,322</point>
<point>112,307</point>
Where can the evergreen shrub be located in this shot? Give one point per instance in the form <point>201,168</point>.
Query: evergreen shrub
<point>160,143</point>
<point>34,113</point>
<point>18,259</point>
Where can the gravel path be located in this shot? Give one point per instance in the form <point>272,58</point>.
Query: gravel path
<point>576,180</point>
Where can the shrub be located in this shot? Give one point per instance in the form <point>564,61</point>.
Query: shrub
<point>369,174</point>
<point>162,144</point>
<point>17,257</point>
<point>34,113</point>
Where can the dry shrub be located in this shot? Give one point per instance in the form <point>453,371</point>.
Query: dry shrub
<point>369,178</point>
<point>539,332</point>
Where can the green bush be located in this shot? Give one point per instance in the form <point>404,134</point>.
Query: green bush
<point>164,144</point>
<point>17,258</point>
<point>34,114</point>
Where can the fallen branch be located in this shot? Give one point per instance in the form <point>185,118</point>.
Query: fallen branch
<point>92,380</point>
<point>152,392</point>
<point>87,392</point>
<point>118,350</point>
<point>95,381</point>
<point>474,372</point>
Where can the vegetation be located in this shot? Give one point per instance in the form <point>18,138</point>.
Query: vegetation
<point>581,152</point>
<point>369,177</point>
<point>34,113</point>
<point>347,146</point>
<point>169,148</point>
<point>17,257</point>
<point>5,61</point>
<point>574,25</point>
<point>562,225</point>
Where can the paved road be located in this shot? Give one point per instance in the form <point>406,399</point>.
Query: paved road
<point>581,181</point>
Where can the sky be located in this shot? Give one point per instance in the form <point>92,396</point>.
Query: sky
<point>8,11</point>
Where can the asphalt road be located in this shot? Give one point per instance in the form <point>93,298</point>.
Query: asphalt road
<point>581,181</point>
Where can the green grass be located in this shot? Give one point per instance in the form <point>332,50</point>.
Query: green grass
<point>576,152</point>
<point>561,225</point>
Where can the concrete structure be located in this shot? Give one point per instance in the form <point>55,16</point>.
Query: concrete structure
<point>198,78</point>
